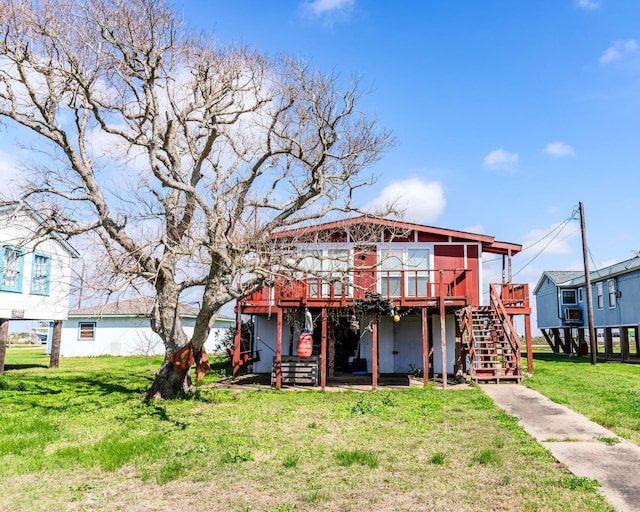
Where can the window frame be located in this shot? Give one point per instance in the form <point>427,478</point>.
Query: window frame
<point>93,331</point>
<point>387,272</point>
<point>20,270</point>
<point>326,264</point>
<point>600,295</point>
<point>569,291</point>
<point>612,291</point>
<point>47,274</point>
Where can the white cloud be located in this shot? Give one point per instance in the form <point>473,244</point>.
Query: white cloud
<point>320,7</point>
<point>477,228</point>
<point>552,240</point>
<point>558,150</point>
<point>618,50</point>
<point>587,4</point>
<point>500,160</point>
<point>422,202</point>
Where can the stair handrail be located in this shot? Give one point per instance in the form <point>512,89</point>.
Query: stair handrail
<point>466,328</point>
<point>512,337</point>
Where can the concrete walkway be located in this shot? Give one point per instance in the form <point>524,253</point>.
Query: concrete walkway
<point>575,441</point>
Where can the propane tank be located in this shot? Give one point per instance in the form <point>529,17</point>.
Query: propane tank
<point>305,344</point>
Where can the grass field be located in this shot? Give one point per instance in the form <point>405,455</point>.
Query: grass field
<point>81,438</point>
<point>607,393</point>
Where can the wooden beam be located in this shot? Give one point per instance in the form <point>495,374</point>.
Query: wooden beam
<point>4,338</point>
<point>279,348</point>
<point>608,343</point>
<point>624,343</point>
<point>235,358</point>
<point>529,342</point>
<point>374,350</point>
<point>425,347</point>
<point>549,340</point>
<point>323,350</point>
<point>443,332</point>
<point>54,360</point>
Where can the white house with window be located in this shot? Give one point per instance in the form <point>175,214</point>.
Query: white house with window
<point>35,266</point>
<point>123,328</point>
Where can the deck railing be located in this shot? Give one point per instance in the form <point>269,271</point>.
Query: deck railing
<point>407,285</point>
<point>509,331</point>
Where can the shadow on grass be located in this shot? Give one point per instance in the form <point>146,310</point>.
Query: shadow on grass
<point>564,358</point>
<point>8,367</point>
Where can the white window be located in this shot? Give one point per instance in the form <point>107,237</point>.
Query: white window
<point>417,272</point>
<point>40,274</point>
<point>600,295</point>
<point>613,293</point>
<point>87,331</point>
<point>391,273</point>
<point>327,272</point>
<point>11,262</point>
<point>414,263</point>
<point>579,294</point>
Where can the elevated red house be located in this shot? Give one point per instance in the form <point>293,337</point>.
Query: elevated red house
<point>385,297</point>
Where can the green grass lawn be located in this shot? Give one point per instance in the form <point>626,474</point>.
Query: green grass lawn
<point>82,438</point>
<point>607,393</point>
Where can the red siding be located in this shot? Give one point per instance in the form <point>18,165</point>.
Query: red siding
<point>365,280</point>
<point>448,257</point>
<point>431,237</point>
<point>473,264</point>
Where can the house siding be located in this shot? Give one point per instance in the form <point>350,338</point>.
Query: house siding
<point>125,336</point>
<point>16,227</point>
<point>399,344</point>
<point>547,306</point>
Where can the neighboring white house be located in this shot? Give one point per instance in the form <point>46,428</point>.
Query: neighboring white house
<point>35,266</point>
<point>123,328</point>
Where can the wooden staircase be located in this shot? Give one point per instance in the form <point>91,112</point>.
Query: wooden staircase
<point>490,342</point>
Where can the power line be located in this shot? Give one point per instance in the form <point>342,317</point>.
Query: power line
<point>559,230</point>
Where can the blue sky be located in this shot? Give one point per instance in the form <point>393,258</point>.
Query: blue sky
<point>506,113</point>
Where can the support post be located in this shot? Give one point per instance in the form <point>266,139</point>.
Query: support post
<point>374,350</point>
<point>54,360</point>
<point>529,342</point>
<point>4,338</point>
<point>425,347</point>
<point>323,349</point>
<point>608,343</point>
<point>443,332</point>
<point>624,343</point>
<point>235,359</point>
<point>279,348</point>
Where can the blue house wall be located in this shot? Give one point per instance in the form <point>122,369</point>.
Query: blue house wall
<point>547,305</point>
<point>618,306</point>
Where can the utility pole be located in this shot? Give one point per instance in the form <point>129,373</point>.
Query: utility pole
<point>587,281</point>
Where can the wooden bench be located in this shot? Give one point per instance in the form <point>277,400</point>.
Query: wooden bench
<point>297,371</point>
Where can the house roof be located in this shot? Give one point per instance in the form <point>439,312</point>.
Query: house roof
<point>489,243</point>
<point>612,270</point>
<point>558,277</point>
<point>142,306</point>
<point>576,278</point>
<point>17,205</point>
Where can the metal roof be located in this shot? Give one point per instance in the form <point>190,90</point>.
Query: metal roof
<point>142,306</point>
<point>489,243</point>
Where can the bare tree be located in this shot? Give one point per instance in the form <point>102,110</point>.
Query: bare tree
<point>178,156</point>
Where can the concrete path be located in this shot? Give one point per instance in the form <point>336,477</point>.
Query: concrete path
<point>574,441</point>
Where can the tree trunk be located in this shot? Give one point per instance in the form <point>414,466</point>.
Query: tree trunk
<point>170,381</point>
